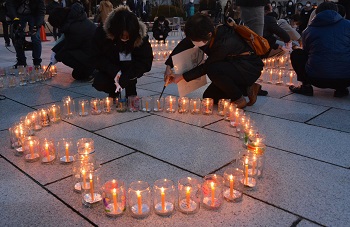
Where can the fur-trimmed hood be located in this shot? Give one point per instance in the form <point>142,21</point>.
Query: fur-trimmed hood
<point>107,25</point>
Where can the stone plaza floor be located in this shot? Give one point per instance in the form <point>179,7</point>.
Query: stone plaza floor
<point>306,178</point>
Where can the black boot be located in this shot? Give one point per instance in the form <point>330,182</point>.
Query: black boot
<point>305,89</point>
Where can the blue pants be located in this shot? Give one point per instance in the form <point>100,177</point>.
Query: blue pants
<point>35,37</point>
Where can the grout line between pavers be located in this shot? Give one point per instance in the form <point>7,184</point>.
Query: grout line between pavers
<point>121,123</point>
<point>50,192</point>
<point>57,180</point>
<point>283,209</point>
<point>306,122</point>
<point>123,156</point>
<point>296,222</point>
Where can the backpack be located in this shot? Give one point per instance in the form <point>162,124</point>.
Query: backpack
<point>258,43</point>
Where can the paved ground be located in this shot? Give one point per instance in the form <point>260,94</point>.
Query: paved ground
<point>306,179</point>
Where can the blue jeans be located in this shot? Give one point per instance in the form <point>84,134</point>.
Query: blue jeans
<point>35,37</point>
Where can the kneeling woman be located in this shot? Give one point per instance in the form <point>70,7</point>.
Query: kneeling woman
<point>231,65</point>
<point>122,52</point>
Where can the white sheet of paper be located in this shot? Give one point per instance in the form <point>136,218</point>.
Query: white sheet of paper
<point>183,62</point>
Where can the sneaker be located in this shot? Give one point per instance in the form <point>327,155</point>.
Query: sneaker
<point>252,93</point>
<point>302,89</point>
<point>339,93</point>
<point>241,103</point>
<point>16,65</point>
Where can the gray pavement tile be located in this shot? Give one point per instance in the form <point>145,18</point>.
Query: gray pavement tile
<point>290,110</point>
<point>88,90</point>
<point>195,149</point>
<point>148,80</point>
<point>37,94</point>
<point>322,97</point>
<point>64,80</point>
<point>334,119</point>
<point>11,112</point>
<point>171,89</point>
<point>275,91</point>
<point>305,223</point>
<point>247,213</point>
<point>106,150</point>
<point>318,143</point>
<point>97,122</point>
<point>24,203</point>
<point>305,187</point>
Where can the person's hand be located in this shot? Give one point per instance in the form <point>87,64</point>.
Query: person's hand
<point>175,78</point>
<point>167,72</point>
<point>53,58</point>
<point>116,82</point>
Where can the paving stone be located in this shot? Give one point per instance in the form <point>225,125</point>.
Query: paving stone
<point>334,119</point>
<point>299,138</point>
<point>290,110</point>
<point>192,148</point>
<point>305,223</point>
<point>147,80</point>
<point>24,203</point>
<point>64,79</point>
<point>275,91</point>
<point>106,150</point>
<point>322,97</point>
<point>247,213</point>
<point>11,112</point>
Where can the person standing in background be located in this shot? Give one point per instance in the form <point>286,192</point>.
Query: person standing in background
<point>5,25</point>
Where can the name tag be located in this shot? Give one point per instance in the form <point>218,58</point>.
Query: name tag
<point>124,57</point>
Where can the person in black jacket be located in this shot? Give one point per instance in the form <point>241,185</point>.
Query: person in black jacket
<point>74,49</point>
<point>231,65</point>
<point>161,29</point>
<point>31,12</point>
<point>121,45</point>
<point>49,8</point>
<point>305,16</point>
<point>5,26</point>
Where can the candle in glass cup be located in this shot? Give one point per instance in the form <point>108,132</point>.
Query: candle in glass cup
<point>95,106</point>
<point>170,103</point>
<point>189,195</point>
<point>164,197</point>
<point>83,107</point>
<point>195,107</point>
<point>207,106</point>
<point>55,113</point>
<point>48,152</point>
<point>31,149</point>
<point>212,191</point>
<point>183,105</point>
<point>139,199</point>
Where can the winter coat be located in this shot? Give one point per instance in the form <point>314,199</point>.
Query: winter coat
<point>251,3</point>
<point>78,31</point>
<point>271,29</point>
<point>160,29</point>
<point>106,53</point>
<point>292,32</point>
<point>3,10</point>
<point>226,42</point>
<point>327,42</point>
<point>51,6</point>
<point>37,8</point>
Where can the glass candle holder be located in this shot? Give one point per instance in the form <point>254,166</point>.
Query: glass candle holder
<point>85,146</point>
<point>121,105</point>
<point>170,104</point>
<point>245,127</point>
<point>164,197</point>
<point>35,119</point>
<point>158,104</point>
<point>212,188</point>
<point>189,195</point>
<point>22,75</point>
<point>146,104</point>
<point>27,123</point>
<point>195,106</point>
<point>12,81</point>
<point>65,150</point>
<point>47,151</point>
<point>183,105</point>
<point>68,110</point>
<point>139,199</point>
<point>248,163</point>
<point>81,166</point>
<point>133,103</point>
<point>55,113</point>
<point>249,134</point>
<point>207,106</point>
<point>290,76</point>
<point>32,75</point>
<point>114,198</point>
<point>107,105</point>
<point>18,133</point>
<point>233,188</point>
<point>280,76</point>
<point>241,122</point>
<point>44,117</point>
<point>238,113</point>
<point>223,106</point>
<point>53,70</point>
<point>256,143</point>
<point>90,188</point>
<point>14,137</point>
<point>230,113</point>
<point>31,149</point>
<point>83,107</point>
<point>95,106</point>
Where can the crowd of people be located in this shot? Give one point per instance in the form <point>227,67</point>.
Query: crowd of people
<point>115,51</point>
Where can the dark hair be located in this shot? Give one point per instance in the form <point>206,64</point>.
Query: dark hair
<point>341,10</point>
<point>124,20</point>
<point>161,18</point>
<point>327,6</point>
<point>58,16</point>
<point>198,27</point>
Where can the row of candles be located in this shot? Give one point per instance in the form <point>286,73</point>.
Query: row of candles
<point>23,75</point>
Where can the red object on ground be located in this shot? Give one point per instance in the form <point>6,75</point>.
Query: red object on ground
<point>43,34</point>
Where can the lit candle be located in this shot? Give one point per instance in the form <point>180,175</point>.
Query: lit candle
<point>231,186</point>
<point>146,105</point>
<point>188,196</point>
<point>139,201</point>
<point>158,104</point>
<point>183,105</point>
<point>207,106</point>
<point>194,106</point>
<point>115,200</point>
<point>246,171</point>
<point>212,184</point>
<point>92,188</point>
<point>68,107</point>
<point>84,178</point>
<point>87,148</point>
<point>291,77</point>
<point>108,105</point>
<point>54,113</point>
<point>31,148</point>
<point>171,104</point>
<point>82,108</point>
<point>95,105</point>
<point>47,152</point>
<point>270,74</point>
<point>162,194</point>
<point>67,152</point>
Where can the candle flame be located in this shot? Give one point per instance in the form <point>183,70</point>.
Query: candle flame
<point>231,177</point>
<point>114,190</point>
<point>212,184</point>
<point>162,190</point>
<point>138,193</point>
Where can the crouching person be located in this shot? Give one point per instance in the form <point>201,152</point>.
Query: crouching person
<point>74,48</point>
<point>122,53</point>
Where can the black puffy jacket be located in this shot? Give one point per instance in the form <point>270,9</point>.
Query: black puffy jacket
<point>37,8</point>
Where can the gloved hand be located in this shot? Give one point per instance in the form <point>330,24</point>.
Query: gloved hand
<point>53,59</point>
<point>116,82</point>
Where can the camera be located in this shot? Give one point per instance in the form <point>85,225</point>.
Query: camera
<point>18,37</point>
